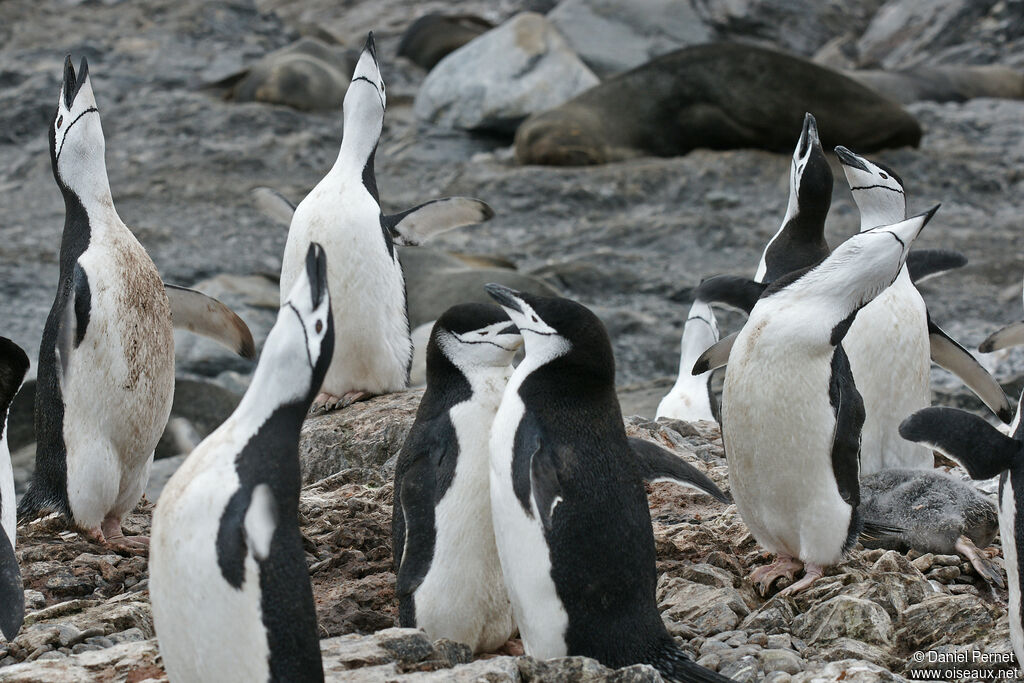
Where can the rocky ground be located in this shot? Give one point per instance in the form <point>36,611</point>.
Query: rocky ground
<point>89,615</point>
<point>629,239</point>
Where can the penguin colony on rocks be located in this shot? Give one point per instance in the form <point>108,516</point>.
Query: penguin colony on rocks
<point>520,504</point>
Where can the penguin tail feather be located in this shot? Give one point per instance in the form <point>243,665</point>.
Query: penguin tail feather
<point>32,504</point>
<point>674,665</point>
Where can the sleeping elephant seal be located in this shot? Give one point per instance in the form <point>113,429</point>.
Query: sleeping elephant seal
<point>718,96</point>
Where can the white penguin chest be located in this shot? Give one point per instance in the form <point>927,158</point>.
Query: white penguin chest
<point>7,503</point>
<point>522,547</point>
<point>207,628</point>
<point>1008,534</point>
<point>463,595</point>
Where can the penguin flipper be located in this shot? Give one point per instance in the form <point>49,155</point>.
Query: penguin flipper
<point>274,205</point>
<point>73,322</point>
<point>545,484</point>
<point>12,592</point>
<point>731,290</point>
<point>14,364</point>
<point>882,533</point>
<point>716,356</point>
<point>1011,335</point>
<point>925,263</point>
<point>204,315</point>
<point>955,358</point>
<point>659,464</point>
<point>246,526</point>
<point>413,226</point>
<point>414,529</point>
<point>982,449</point>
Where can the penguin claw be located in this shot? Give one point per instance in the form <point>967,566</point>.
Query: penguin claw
<point>764,576</point>
<point>982,564</point>
<point>812,574</point>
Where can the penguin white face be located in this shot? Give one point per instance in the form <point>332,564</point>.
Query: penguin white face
<point>543,342</point>
<point>878,191</point>
<point>864,265</point>
<point>474,337</point>
<point>299,347</point>
<point>366,98</point>
<point>76,137</point>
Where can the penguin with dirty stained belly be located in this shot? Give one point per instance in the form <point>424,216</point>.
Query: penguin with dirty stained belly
<point>791,413</point>
<point>373,353</point>
<point>449,580</point>
<point>231,594</point>
<point>106,361</point>
<point>570,512</point>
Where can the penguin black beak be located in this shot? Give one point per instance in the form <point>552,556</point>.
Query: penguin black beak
<point>509,298</point>
<point>808,134</point>
<point>848,158</point>
<point>73,84</point>
<point>371,46</point>
<point>316,271</point>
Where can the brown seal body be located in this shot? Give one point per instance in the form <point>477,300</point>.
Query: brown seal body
<point>717,96</point>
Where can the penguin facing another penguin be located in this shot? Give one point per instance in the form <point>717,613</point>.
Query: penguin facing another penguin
<point>570,512</point>
<point>230,589</point>
<point>449,580</point>
<point>343,213</point>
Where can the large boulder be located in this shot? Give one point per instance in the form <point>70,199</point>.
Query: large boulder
<point>497,80</point>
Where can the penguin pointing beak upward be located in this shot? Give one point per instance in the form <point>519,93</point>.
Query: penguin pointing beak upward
<point>848,158</point>
<point>73,84</point>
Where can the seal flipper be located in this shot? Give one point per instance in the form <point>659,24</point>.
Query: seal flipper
<point>716,356</point>
<point>12,592</point>
<point>1011,335</point>
<point>658,464</point>
<point>731,290</point>
<point>982,449</point>
<point>955,358</point>
<point>274,205</point>
<point>412,226</point>
<point>925,263</point>
<point>204,315</point>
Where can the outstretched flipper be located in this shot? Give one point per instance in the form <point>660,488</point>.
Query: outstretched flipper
<point>658,464</point>
<point>925,263</point>
<point>955,358</point>
<point>12,593</point>
<point>1011,335</point>
<point>204,315</point>
<point>420,223</point>
<point>982,449</point>
<point>274,205</point>
<point>716,356</point>
<point>738,292</point>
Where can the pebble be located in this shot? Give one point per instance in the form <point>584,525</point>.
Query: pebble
<point>744,670</point>
<point>924,562</point>
<point>945,574</point>
<point>780,641</point>
<point>781,660</point>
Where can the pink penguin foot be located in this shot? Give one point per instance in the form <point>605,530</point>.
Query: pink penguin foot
<point>764,576</point>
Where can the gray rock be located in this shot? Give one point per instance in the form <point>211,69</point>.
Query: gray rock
<point>849,648</point>
<point>140,659</point>
<point>704,609</point>
<point>844,616</point>
<point>612,36</point>
<point>780,660</point>
<point>498,79</point>
<point>944,619</point>
<point>847,671</point>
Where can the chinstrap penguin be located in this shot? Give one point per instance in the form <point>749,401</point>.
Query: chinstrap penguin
<point>230,589</point>
<point>985,452</point>
<point>449,580</point>
<point>791,414</point>
<point>931,512</point>
<point>570,511</point>
<point>1004,338</point>
<point>106,361</point>
<point>343,213</point>
<point>691,398</point>
<point>13,366</point>
<point>896,327</point>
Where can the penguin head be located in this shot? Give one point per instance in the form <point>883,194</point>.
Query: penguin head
<point>473,337</point>
<point>700,331</point>
<point>298,349</point>
<point>877,190</point>
<point>366,98</point>
<point>557,329</point>
<point>866,264</point>
<point>76,137</point>
<point>810,179</point>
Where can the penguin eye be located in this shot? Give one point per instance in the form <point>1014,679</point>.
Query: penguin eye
<point>533,318</point>
<point>60,120</point>
<point>319,326</point>
<point>884,177</point>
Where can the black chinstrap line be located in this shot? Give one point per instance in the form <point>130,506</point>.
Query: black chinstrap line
<point>305,336</point>
<point>881,187</point>
<point>70,126</point>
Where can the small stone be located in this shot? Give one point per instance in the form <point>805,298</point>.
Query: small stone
<point>131,635</point>
<point>944,574</point>
<point>780,660</point>
<point>947,560</point>
<point>52,654</point>
<point>844,616</point>
<point>712,661</point>
<point>711,645</point>
<point>744,670</point>
<point>892,561</point>
<point>100,641</point>
<point>759,638</point>
<point>85,647</point>
<point>779,641</point>
<point>924,563</point>
<point>68,635</point>
<point>874,554</point>
<point>778,677</point>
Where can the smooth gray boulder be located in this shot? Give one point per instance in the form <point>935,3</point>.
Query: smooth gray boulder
<point>498,79</point>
